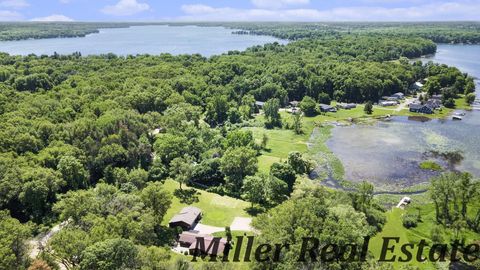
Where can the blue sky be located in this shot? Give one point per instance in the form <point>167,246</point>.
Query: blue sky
<point>239,10</point>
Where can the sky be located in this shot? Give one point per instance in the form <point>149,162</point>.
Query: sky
<point>239,10</point>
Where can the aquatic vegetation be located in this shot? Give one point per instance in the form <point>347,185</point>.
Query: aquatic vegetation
<point>452,157</point>
<point>436,141</point>
<point>430,165</point>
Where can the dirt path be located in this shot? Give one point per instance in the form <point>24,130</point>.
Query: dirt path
<point>40,242</point>
<point>404,104</point>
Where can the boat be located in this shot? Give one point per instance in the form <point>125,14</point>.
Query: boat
<point>457,117</point>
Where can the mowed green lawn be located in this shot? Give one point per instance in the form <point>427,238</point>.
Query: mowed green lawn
<point>394,228</point>
<point>280,143</point>
<point>217,210</point>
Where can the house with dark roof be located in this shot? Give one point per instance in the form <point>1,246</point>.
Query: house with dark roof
<point>419,108</point>
<point>434,103</point>
<point>327,108</point>
<point>186,219</point>
<point>190,240</point>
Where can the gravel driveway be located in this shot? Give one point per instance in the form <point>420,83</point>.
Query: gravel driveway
<point>241,224</point>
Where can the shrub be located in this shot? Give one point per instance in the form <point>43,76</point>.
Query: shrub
<point>308,106</point>
<point>410,220</point>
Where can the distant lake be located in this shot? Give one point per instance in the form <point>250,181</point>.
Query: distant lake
<point>389,153</point>
<point>153,39</point>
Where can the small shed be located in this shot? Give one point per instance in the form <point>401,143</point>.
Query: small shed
<point>186,219</point>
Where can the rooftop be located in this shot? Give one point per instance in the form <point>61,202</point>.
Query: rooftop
<point>188,215</point>
<point>191,239</point>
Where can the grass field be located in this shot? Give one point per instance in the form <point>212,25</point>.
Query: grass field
<point>280,143</point>
<point>395,228</point>
<point>217,210</point>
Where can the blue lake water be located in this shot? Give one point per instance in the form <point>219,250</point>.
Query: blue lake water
<point>389,153</point>
<point>154,39</point>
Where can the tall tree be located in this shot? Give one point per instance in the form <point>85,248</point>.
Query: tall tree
<point>73,172</point>
<point>237,163</point>
<point>181,169</point>
<point>217,110</point>
<point>368,108</point>
<point>13,242</point>
<point>297,123</point>
<point>67,246</point>
<point>157,199</point>
<point>272,115</point>
<point>110,254</point>
<point>308,106</point>
<point>254,189</point>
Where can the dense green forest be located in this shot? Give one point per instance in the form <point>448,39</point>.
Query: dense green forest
<point>89,140</point>
<point>439,32</point>
<point>36,30</point>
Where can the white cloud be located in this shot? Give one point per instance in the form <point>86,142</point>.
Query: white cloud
<point>53,18</point>
<point>16,4</point>
<point>7,15</point>
<point>126,8</point>
<point>275,4</point>
<point>462,10</point>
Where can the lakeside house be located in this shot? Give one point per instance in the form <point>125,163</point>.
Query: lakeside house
<point>388,103</point>
<point>395,97</point>
<point>398,95</point>
<point>346,106</point>
<point>189,240</point>
<point>421,108</point>
<point>327,108</point>
<point>434,103</point>
<point>186,219</point>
